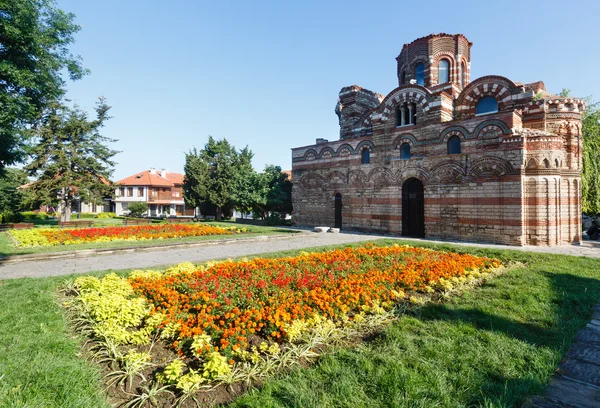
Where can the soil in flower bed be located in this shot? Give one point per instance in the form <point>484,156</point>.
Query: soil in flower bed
<point>200,326</point>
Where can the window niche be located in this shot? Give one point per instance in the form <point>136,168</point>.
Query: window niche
<point>489,104</point>
<point>443,71</point>
<point>454,145</point>
<point>406,114</point>
<point>420,74</point>
<point>365,156</point>
<point>405,151</point>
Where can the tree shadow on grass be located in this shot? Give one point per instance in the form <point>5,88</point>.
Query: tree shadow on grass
<point>571,299</point>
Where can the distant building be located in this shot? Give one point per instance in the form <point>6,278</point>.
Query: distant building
<point>161,190</point>
<point>445,156</point>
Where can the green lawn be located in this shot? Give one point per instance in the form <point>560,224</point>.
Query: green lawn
<point>7,246</point>
<point>491,347</point>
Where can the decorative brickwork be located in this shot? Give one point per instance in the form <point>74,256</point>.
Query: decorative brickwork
<point>507,172</point>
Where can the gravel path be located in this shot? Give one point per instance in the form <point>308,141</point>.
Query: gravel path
<point>200,253</point>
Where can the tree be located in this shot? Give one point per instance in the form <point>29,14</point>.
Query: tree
<point>137,209</point>
<point>11,193</point>
<point>278,197</point>
<point>251,188</point>
<point>210,175</point>
<point>590,177</point>
<point>34,40</point>
<point>69,158</point>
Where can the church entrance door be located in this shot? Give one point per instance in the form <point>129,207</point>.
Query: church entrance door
<point>413,208</point>
<point>338,210</point>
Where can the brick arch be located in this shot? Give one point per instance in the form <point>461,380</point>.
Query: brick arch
<point>326,149</point>
<point>387,174</point>
<point>497,86</point>
<point>405,137</point>
<point>312,180</point>
<point>532,163</point>
<point>412,64</point>
<point>459,131</point>
<point>493,164</point>
<point>335,174</point>
<point>357,176</point>
<point>452,64</point>
<point>421,96</point>
<point>448,170</point>
<point>342,147</point>
<point>505,130</point>
<point>365,143</point>
<point>310,152</point>
<point>418,172</point>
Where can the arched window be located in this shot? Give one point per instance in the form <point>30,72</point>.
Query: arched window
<point>489,104</point>
<point>420,74</point>
<point>463,75</point>
<point>399,115</point>
<point>403,78</point>
<point>405,151</point>
<point>406,114</point>
<point>365,156</point>
<point>454,145</point>
<point>443,71</point>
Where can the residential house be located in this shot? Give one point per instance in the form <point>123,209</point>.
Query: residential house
<point>161,190</point>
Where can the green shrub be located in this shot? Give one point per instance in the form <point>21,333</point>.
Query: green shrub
<point>11,217</point>
<point>32,215</point>
<point>274,219</point>
<point>137,209</point>
<point>86,215</point>
<point>107,215</point>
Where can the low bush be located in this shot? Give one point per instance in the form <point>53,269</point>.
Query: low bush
<point>10,217</point>
<point>32,215</point>
<point>85,215</point>
<point>107,215</point>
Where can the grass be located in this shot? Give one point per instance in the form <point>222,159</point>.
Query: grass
<point>490,347</point>
<point>8,248</point>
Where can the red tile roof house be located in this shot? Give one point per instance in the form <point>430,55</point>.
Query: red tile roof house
<point>160,189</point>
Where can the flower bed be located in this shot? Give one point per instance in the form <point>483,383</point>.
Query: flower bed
<point>223,320</point>
<point>55,236</point>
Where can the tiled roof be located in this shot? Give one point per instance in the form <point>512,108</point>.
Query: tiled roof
<point>146,178</point>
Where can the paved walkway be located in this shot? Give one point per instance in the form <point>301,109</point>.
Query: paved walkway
<point>165,256</point>
<point>577,380</point>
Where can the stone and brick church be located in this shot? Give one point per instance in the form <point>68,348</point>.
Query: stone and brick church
<point>446,156</point>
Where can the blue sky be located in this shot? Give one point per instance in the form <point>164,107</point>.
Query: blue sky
<point>267,74</point>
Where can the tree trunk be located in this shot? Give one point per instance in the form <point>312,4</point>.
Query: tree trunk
<point>218,213</point>
<point>65,215</point>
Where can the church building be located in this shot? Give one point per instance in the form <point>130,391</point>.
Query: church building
<point>445,156</point>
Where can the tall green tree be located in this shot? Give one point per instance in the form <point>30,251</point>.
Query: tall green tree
<point>11,193</point>
<point>278,192</point>
<point>70,158</point>
<point>251,188</point>
<point>210,174</point>
<point>34,40</point>
<point>590,177</point>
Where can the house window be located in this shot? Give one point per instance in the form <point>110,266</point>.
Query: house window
<point>405,151</point>
<point>443,68</point>
<point>489,104</point>
<point>140,191</point>
<point>454,145</point>
<point>175,193</point>
<point>365,156</point>
<point>420,74</point>
<point>154,192</point>
<point>129,191</point>
<point>117,192</point>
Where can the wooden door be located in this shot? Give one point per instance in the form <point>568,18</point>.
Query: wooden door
<point>338,210</point>
<point>413,208</point>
